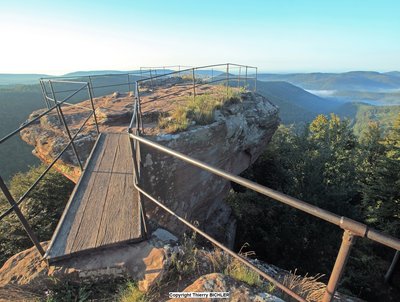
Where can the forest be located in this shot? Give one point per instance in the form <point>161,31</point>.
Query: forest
<point>326,165</point>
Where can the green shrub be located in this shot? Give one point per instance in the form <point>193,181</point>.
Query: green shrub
<point>42,208</point>
<point>199,109</point>
<point>131,293</point>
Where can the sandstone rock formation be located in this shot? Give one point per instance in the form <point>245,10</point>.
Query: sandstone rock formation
<point>237,136</point>
<point>49,137</point>
<point>232,142</point>
<point>26,275</point>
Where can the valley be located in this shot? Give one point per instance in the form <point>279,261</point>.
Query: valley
<point>358,96</point>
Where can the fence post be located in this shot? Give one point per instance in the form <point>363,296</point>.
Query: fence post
<point>227,79</point>
<point>340,263</point>
<point>194,84</point>
<point>245,82</point>
<point>91,103</point>
<point>21,217</point>
<point>66,128</point>
<point>44,92</point>
<point>55,102</point>
<point>240,70</point>
<point>390,271</point>
<point>255,80</point>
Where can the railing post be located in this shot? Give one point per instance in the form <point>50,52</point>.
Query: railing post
<point>89,85</point>
<point>194,84</point>
<point>255,80</point>
<point>340,263</point>
<point>245,81</point>
<point>151,79</point>
<point>390,271</point>
<point>21,217</point>
<point>227,78</point>
<point>129,83</point>
<point>66,127</point>
<point>55,102</point>
<point>44,93</point>
<point>240,70</point>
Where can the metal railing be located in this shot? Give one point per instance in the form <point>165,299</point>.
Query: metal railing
<point>231,75</point>
<point>351,228</point>
<point>52,105</point>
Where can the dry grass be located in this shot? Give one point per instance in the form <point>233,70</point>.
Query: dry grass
<point>199,109</point>
<point>308,287</point>
<point>241,272</point>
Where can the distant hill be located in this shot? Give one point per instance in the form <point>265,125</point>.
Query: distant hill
<point>361,114</point>
<point>394,73</point>
<point>94,72</point>
<point>26,79</point>
<point>354,80</point>
<point>16,103</point>
<point>370,97</point>
<point>296,105</point>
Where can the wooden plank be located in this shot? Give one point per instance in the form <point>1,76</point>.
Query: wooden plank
<point>119,212</point>
<point>131,214</point>
<point>86,234</point>
<point>104,210</point>
<point>59,240</point>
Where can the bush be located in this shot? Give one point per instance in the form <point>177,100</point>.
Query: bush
<point>199,109</point>
<point>42,208</point>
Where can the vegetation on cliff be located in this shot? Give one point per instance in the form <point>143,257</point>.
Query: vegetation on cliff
<point>327,165</point>
<point>42,208</point>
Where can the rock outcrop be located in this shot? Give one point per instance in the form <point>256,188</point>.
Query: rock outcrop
<point>27,274</point>
<point>232,143</point>
<point>237,136</point>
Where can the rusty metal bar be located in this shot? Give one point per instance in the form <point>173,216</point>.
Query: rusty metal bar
<point>227,79</point>
<point>224,248</point>
<point>21,217</point>
<point>355,227</point>
<point>188,70</point>
<point>22,198</point>
<point>389,273</point>
<point>194,84</point>
<point>44,94</point>
<point>59,110</point>
<point>255,81</point>
<point>340,264</point>
<point>245,83</point>
<point>55,102</point>
<point>240,70</point>
<point>70,137</point>
<point>93,109</point>
<point>135,148</point>
<point>91,86</point>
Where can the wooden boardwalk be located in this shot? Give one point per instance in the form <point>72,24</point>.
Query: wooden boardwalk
<point>103,209</point>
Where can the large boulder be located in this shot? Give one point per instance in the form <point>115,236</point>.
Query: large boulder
<point>236,138</point>
<point>26,276</point>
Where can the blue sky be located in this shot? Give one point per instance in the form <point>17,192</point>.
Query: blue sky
<point>57,37</point>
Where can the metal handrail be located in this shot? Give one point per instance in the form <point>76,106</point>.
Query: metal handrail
<point>355,227</point>
<point>195,68</point>
<point>351,228</point>
<point>57,106</point>
<point>221,246</point>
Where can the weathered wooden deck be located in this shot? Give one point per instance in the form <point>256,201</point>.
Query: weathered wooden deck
<point>103,209</point>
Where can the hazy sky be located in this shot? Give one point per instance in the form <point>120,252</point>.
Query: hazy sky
<point>56,37</point>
